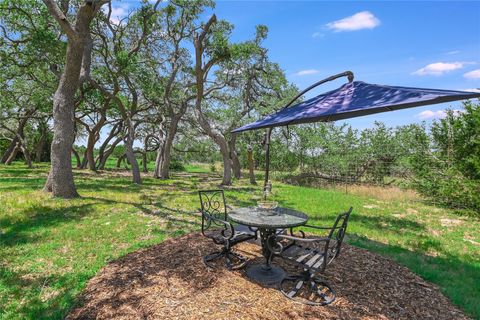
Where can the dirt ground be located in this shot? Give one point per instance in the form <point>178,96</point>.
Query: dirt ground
<point>169,281</point>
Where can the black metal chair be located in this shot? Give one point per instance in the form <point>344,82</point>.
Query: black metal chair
<point>216,227</point>
<point>313,255</point>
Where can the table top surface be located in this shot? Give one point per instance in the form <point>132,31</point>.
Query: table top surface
<point>264,218</point>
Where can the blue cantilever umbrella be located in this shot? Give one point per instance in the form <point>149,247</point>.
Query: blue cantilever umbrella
<point>354,99</point>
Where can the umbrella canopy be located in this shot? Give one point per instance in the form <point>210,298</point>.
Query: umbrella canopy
<point>355,99</point>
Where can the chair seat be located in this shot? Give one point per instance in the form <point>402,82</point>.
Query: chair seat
<point>237,238</point>
<point>241,237</point>
<point>307,257</point>
<point>241,228</point>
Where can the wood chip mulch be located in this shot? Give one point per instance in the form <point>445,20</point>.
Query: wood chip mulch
<point>169,281</point>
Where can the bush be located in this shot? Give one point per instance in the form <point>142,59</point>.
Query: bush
<point>3,146</point>
<point>176,165</point>
<point>448,172</point>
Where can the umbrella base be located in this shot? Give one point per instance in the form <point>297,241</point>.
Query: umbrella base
<point>265,275</point>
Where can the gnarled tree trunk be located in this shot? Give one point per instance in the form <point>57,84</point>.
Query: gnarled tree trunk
<point>251,173</point>
<point>129,139</point>
<point>77,158</point>
<point>13,154</point>
<point>103,160</point>
<point>167,154</point>
<point>237,168</point>
<point>200,75</point>
<point>42,142</point>
<point>120,160</point>
<point>146,151</point>
<point>227,165</point>
<point>84,160</point>
<point>160,155</point>
<point>10,150</point>
<point>18,137</point>
<point>26,153</point>
<point>93,136</point>
<point>167,147</point>
<point>60,179</point>
<point>103,154</point>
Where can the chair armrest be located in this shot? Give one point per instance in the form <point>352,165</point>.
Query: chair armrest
<point>316,227</point>
<point>292,233</point>
<point>275,246</point>
<point>306,240</point>
<point>228,226</point>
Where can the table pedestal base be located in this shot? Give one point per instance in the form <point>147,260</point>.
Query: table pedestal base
<point>267,276</point>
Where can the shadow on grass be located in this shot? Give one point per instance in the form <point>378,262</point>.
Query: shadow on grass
<point>119,185</point>
<point>10,184</point>
<point>392,224</point>
<point>39,218</point>
<point>457,279</point>
<point>177,217</point>
<point>173,216</point>
<point>21,172</point>
<point>237,202</point>
<point>34,289</point>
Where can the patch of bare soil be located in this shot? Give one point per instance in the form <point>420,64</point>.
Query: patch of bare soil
<point>169,281</point>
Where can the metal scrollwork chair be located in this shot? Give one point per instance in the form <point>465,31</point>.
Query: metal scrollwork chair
<point>216,227</point>
<point>313,255</point>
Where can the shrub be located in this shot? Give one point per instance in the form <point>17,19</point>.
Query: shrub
<point>449,171</point>
<point>176,165</point>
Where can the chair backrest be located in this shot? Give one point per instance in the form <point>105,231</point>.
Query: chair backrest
<point>336,235</point>
<point>213,204</point>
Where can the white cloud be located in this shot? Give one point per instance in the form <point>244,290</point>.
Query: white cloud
<point>475,74</point>
<point>452,52</point>
<point>429,114</point>
<point>471,90</point>
<point>359,21</point>
<point>307,72</point>
<point>439,68</point>
<point>317,35</point>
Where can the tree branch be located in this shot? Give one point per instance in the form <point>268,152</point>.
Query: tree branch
<point>57,13</point>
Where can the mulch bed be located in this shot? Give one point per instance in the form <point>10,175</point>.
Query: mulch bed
<point>169,281</point>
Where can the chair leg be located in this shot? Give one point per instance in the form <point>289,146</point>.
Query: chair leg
<point>212,256</point>
<point>322,291</point>
<point>233,260</point>
<point>298,281</point>
<point>232,265</point>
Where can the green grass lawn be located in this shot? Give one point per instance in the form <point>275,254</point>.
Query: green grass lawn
<point>49,248</point>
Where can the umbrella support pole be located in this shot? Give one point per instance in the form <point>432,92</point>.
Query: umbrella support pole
<point>268,133</point>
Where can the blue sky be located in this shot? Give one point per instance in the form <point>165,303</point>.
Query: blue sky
<point>420,44</point>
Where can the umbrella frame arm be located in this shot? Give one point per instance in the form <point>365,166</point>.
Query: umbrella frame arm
<point>348,74</point>
<point>268,133</point>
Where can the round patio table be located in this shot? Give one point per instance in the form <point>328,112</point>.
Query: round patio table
<point>268,221</point>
